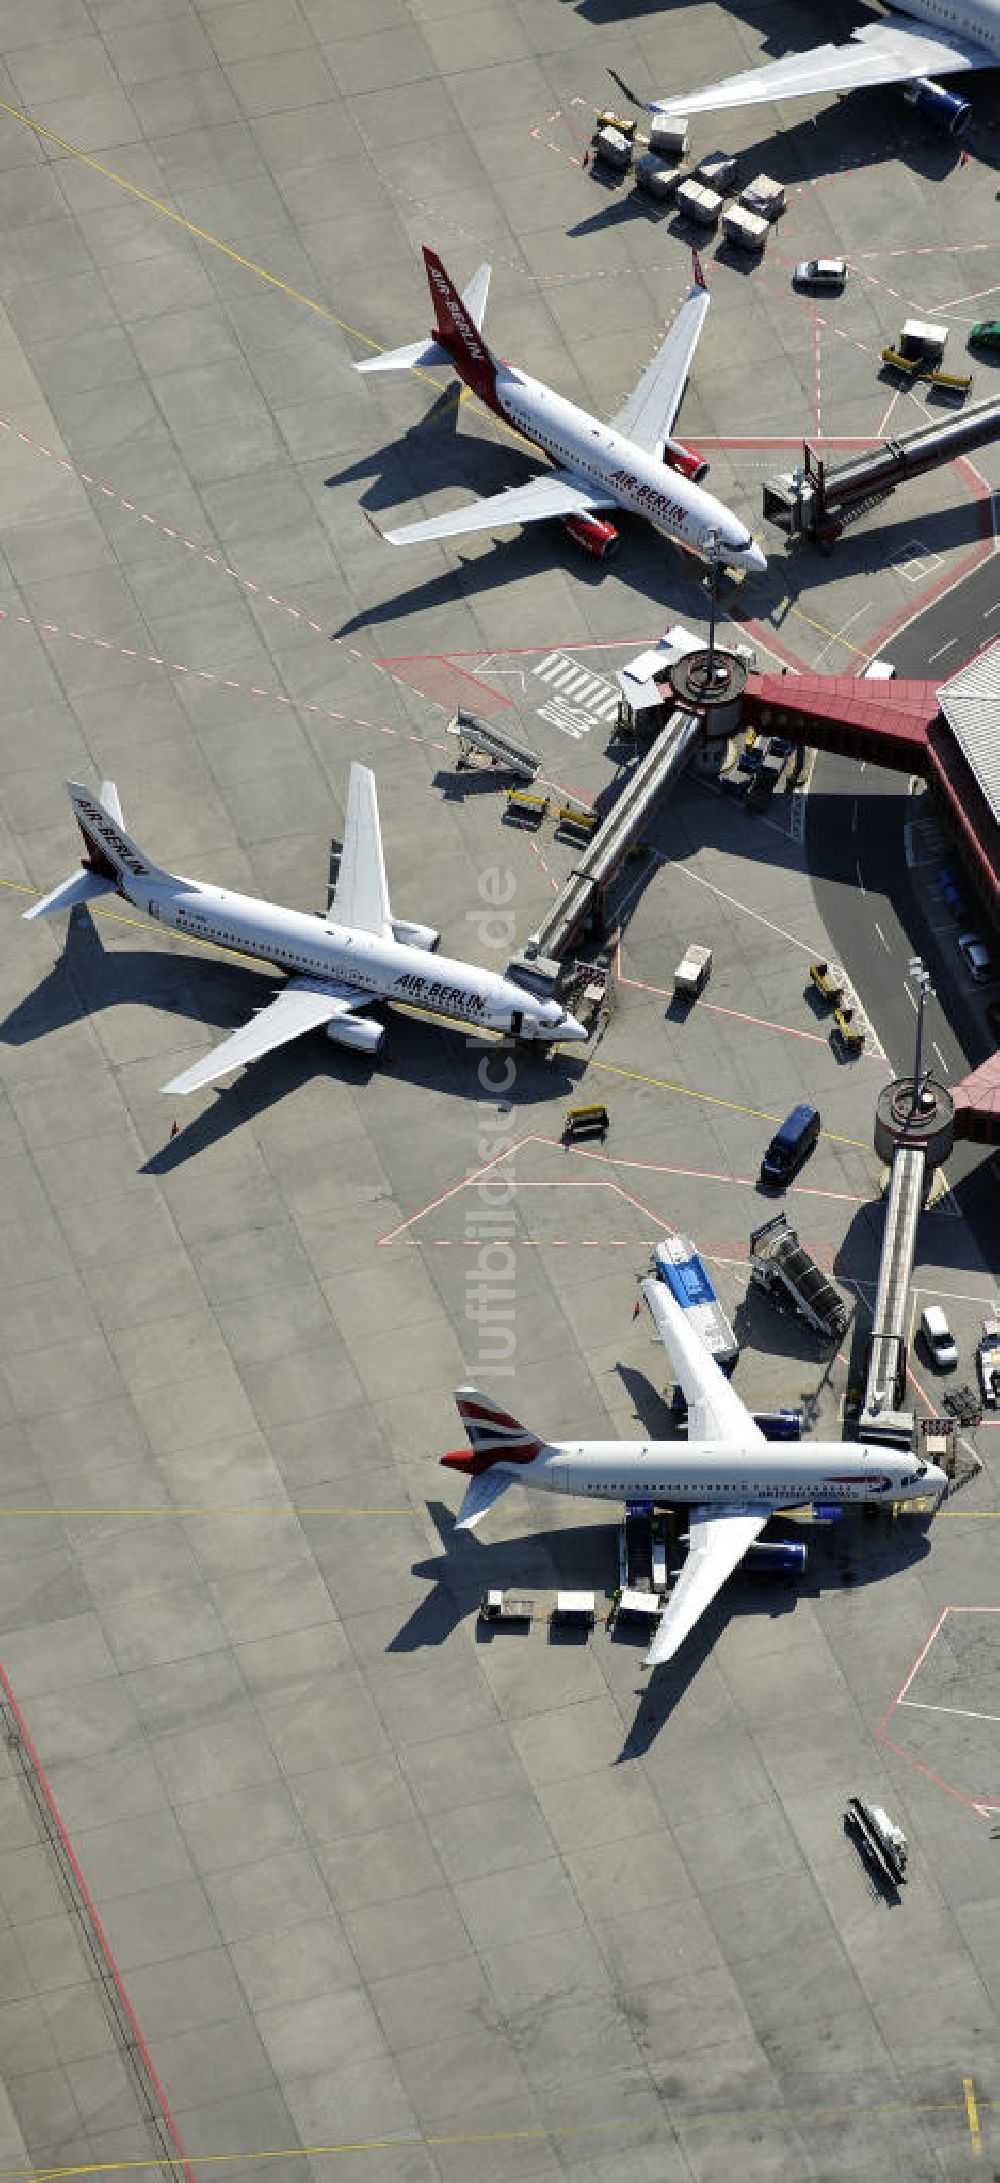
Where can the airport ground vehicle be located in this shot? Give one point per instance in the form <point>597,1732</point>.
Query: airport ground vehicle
<point>693,972</point>
<point>879,1839</point>
<point>676,1263</point>
<point>938,1338</point>
<point>829,980</point>
<point>988,1362</point>
<point>986,335</point>
<point>825,273</point>
<point>791,1145</point>
<point>783,1268</point>
<point>976,956</point>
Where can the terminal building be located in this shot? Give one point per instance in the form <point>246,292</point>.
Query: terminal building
<point>948,734</point>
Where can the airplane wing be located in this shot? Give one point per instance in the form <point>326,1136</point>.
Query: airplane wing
<point>715,1411</point>
<point>648,415</point>
<point>302,1005</point>
<point>894,50</point>
<point>554,492</point>
<point>361,895</point>
<point>719,1540</point>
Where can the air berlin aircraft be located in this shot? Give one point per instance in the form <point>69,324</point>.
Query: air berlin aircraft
<point>631,463</point>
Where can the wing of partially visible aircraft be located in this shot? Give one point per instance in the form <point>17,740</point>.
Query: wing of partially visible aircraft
<point>718,1541</point>
<point>361,895</point>
<point>715,1411</point>
<point>555,492</point>
<point>304,1004</point>
<point>648,415</point>
<point>894,50</point>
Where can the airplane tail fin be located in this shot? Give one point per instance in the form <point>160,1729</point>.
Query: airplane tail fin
<point>498,1446</point>
<point>698,271</point>
<point>419,355</point>
<point>458,325</point>
<point>111,859</point>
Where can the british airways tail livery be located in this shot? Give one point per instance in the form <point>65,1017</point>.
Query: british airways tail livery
<point>632,463</point>
<point>732,1477</point>
<point>335,966</point>
<point>909,45</point>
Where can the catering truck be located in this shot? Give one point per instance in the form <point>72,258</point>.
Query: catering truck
<point>676,1263</point>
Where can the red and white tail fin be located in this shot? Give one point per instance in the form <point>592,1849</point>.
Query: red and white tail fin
<point>456,327</point>
<point>423,355</point>
<point>112,861</point>
<point>494,1436</point>
<point>698,271</point>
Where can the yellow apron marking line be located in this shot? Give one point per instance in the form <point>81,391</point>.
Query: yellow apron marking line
<point>711,1099</point>
<point>676,2122</point>
<point>201,234</point>
<point>972,2111</point>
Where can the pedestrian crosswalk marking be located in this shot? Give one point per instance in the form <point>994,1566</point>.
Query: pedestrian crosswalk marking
<point>573,681</point>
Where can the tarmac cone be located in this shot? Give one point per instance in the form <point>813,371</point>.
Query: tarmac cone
<point>636,1308</point>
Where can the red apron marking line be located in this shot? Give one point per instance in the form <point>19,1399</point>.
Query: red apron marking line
<point>98,1929</point>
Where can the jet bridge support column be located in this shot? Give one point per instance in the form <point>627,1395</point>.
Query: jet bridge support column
<point>914,1132</point>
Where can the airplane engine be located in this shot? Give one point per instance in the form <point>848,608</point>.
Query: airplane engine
<point>415,935</point>
<point>686,460</point>
<point>359,1032</point>
<point>776,1558</point>
<point>943,110</point>
<point>595,536</point>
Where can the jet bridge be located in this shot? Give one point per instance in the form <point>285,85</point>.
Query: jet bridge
<point>914,1129</point>
<point>581,897</point>
<point>820,499</point>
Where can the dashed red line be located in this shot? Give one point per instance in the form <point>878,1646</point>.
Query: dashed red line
<point>215,560</point>
<point>225,682</point>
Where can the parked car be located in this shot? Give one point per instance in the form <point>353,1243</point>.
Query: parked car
<point>938,1338</point>
<point>820,273</point>
<point>790,1145</point>
<point>985,335</point>
<point>976,956</point>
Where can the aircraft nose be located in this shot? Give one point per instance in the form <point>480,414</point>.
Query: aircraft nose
<point>756,559</point>
<point>571,1028</point>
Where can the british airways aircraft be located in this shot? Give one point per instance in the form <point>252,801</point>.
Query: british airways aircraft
<point>733,1478</point>
<point>907,46</point>
<point>335,965</point>
<point>632,463</point>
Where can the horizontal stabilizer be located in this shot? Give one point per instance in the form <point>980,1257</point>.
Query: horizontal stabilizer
<point>82,887</point>
<point>414,356</point>
<point>480,1495</point>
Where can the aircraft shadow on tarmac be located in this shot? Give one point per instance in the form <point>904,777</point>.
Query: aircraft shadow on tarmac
<point>432,454</point>
<point>89,978</point>
<point>855,1551</point>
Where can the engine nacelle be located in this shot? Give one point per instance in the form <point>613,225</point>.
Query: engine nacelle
<point>363,1034</point>
<point>943,110</point>
<point>593,534</point>
<point>686,460</point>
<point>776,1557</point>
<point>415,935</point>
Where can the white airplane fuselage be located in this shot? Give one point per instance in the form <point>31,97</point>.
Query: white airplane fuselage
<point>639,482</point>
<point>977,18</point>
<point>388,970</point>
<point>717,1473</point>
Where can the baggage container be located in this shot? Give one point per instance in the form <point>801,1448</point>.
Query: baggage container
<point>655,178</point>
<point>717,171</point>
<point>745,230</point>
<point>919,341</point>
<point>614,148</point>
<point>668,135</point>
<point>764,195</point>
<point>700,204</point>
